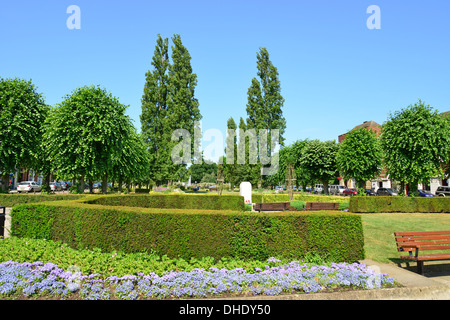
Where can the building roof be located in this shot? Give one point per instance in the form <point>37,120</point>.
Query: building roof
<point>367,124</point>
<point>446,113</point>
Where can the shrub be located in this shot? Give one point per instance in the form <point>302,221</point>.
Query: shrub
<point>194,233</point>
<point>297,197</point>
<point>399,204</point>
<point>10,200</point>
<point>174,201</point>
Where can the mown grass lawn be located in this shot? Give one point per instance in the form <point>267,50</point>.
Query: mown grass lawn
<point>379,231</point>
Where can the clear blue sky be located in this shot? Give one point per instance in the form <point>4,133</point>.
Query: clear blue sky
<point>335,73</point>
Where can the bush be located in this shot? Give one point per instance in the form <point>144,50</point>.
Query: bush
<point>193,233</point>
<point>10,200</point>
<point>174,201</point>
<point>399,204</point>
<point>298,197</point>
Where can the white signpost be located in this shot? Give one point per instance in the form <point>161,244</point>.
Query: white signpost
<point>245,190</point>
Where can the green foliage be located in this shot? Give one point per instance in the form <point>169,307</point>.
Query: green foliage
<point>168,103</point>
<point>22,112</point>
<point>359,156</point>
<point>319,160</point>
<point>119,263</point>
<point>10,200</point>
<point>199,171</point>
<point>416,144</point>
<point>87,134</point>
<point>174,201</point>
<point>264,107</point>
<point>154,121</point>
<point>399,204</point>
<point>332,235</point>
<point>259,198</point>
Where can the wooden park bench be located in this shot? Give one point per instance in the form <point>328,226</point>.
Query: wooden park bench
<point>272,206</point>
<point>424,241</point>
<point>321,206</point>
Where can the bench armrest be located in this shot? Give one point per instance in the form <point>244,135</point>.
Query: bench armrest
<point>415,246</point>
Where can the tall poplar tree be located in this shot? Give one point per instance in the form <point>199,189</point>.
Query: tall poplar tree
<point>154,122</point>
<point>183,107</point>
<point>168,104</point>
<point>264,106</point>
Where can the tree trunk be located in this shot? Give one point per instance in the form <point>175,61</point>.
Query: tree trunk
<point>46,181</point>
<point>5,182</point>
<point>91,187</point>
<point>120,184</point>
<point>104,184</point>
<point>81,185</point>
<point>325,187</point>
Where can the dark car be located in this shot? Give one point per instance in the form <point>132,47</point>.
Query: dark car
<point>443,191</point>
<point>421,193</point>
<point>386,192</point>
<point>350,192</point>
<point>370,192</point>
<point>97,185</point>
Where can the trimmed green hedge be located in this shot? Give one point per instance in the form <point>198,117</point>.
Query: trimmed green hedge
<point>300,197</point>
<point>399,204</point>
<point>194,233</point>
<point>174,201</point>
<point>10,200</point>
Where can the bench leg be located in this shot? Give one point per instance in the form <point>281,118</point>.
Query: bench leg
<point>420,267</point>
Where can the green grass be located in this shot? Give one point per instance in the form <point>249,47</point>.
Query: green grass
<point>379,228</point>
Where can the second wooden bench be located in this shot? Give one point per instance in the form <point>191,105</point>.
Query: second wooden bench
<point>321,206</point>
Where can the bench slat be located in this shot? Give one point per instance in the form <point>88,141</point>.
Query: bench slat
<point>422,243</point>
<point>421,238</point>
<point>428,257</point>
<point>420,233</point>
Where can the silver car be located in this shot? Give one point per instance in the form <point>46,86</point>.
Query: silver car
<point>55,186</point>
<point>443,191</point>
<point>28,186</point>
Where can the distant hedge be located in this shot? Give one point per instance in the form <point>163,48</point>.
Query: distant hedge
<point>300,197</point>
<point>174,201</point>
<point>10,200</point>
<point>399,204</point>
<point>194,233</point>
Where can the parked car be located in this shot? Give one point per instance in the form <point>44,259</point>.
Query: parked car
<point>370,192</point>
<point>386,192</point>
<point>336,189</point>
<point>318,188</point>
<point>443,191</point>
<point>27,186</point>
<point>97,185</point>
<point>55,186</point>
<point>350,192</point>
<point>65,185</point>
<point>421,193</point>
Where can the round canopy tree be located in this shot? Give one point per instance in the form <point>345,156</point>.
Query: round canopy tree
<point>359,156</point>
<point>319,161</point>
<point>22,113</point>
<point>85,134</point>
<point>416,144</point>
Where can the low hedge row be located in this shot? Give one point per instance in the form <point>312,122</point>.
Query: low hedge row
<point>193,233</point>
<point>399,204</point>
<point>10,200</point>
<point>299,197</point>
<point>174,201</point>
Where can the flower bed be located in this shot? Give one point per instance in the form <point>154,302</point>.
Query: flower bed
<point>35,280</point>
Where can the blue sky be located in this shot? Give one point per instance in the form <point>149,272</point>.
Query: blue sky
<point>335,73</point>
